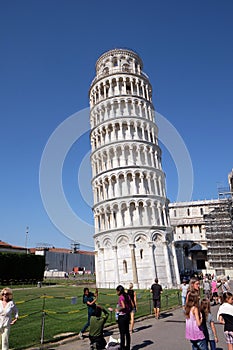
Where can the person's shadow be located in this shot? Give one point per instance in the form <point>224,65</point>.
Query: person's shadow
<point>142,345</point>
<point>166,314</point>
<point>138,329</point>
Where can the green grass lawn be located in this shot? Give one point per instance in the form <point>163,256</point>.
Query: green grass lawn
<point>64,311</point>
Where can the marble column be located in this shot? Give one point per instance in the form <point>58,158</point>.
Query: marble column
<point>153,265</point>
<point>97,271</point>
<point>134,266</point>
<point>116,267</point>
<point>176,264</point>
<point>167,264</point>
<point>103,277</point>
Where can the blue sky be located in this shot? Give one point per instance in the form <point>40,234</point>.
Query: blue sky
<point>47,62</point>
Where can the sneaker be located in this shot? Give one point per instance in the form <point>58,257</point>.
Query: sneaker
<point>80,335</point>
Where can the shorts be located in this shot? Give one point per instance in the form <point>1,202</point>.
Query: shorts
<point>228,337</point>
<point>157,303</point>
<point>215,294</point>
<point>133,310</point>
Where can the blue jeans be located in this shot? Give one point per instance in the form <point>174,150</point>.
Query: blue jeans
<point>212,344</point>
<point>199,344</point>
<point>90,313</point>
<point>183,300</point>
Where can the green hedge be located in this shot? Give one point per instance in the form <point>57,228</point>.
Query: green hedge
<point>21,267</point>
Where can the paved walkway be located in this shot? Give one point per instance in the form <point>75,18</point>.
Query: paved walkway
<point>167,333</point>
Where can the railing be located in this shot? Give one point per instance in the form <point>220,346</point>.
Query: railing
<point>51,314</point>
<point>119,70</point>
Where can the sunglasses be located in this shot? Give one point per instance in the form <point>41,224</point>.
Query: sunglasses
<point>5,293</point>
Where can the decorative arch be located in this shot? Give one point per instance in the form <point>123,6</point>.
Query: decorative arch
<point>97,244</point>
<point>122,240</point>
<point>156,236</point>
<point>107,242</point>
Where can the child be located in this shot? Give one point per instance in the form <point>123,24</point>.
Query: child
<point>194,331</point>
<point>211,335</point>
<point>225,316</point>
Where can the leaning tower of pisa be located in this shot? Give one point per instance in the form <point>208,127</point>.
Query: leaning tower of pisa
<point>133,238</point>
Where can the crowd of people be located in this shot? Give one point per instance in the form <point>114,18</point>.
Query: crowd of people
<point>125,310</point>
<point>200,327</point>
<point>97,316</point>
<point>200,324</point>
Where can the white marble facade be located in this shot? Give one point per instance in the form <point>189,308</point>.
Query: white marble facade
<point>197,249</point>
<point>133,237</point>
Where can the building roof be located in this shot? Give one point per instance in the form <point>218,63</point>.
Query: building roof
<point>9,246</point>
<point>5,245</point>
<point>197,247</point>
<point>63,250</point>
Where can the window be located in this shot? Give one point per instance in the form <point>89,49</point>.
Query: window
<point>201,264</point>
<point>188,211</point>
<point>174,212</point>
<point>141,253</point>
<point>125,270</point>
<point>201,211</point>
<point>186,251</point>
<point>125,68</point>
<point>106,70</point>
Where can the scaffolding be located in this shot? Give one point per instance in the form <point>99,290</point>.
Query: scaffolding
<point>219,236</point>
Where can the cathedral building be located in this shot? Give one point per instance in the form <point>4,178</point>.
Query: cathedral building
<point>203,234</point>
<point>133,236</point>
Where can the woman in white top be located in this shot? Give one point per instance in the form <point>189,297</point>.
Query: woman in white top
<point>7,308</point>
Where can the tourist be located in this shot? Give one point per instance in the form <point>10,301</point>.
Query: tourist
<point>89,299</point>
<point>7,309</point>
<point>211,333</point>
<point>96,334</point>
<point>225,316</point>
<point>220,291</point>
<point>194,286</point>
<point>156,290</point>
<point>225,285</point>
<point>194,331</point>
<point>214,291</point>
<point>124,308</point>
<point>206,288</point>
<point>133,297</point>
<point>184,289</point>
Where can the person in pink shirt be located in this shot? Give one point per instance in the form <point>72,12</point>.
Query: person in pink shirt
<point>193,330</point>
<point>214,290</point>
<point>124,308</point>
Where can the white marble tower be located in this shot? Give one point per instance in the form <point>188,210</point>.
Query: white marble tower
<point>133,237</point>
